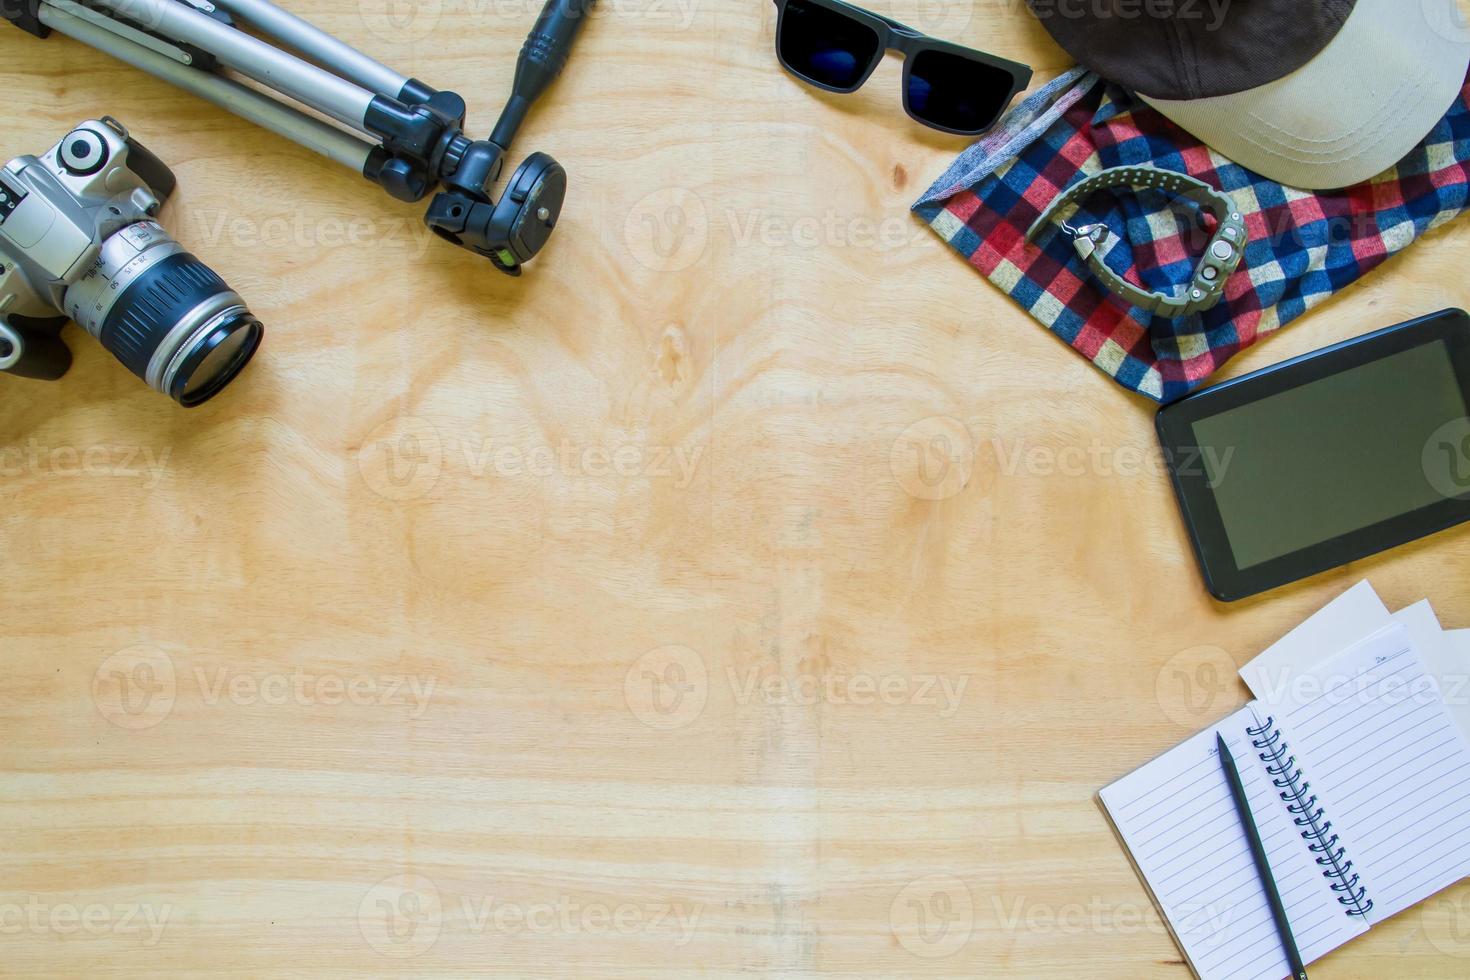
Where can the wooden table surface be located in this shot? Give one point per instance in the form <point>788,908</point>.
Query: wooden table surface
<point>750,590</point>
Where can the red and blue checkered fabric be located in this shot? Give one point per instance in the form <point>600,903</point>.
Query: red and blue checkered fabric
<point>1304,245</point>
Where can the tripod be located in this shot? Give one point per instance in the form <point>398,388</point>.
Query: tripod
<point>399,133</point>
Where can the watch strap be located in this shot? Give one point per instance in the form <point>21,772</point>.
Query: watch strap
<point>1092,242</point>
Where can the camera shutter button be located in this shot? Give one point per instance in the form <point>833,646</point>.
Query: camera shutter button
<point>83,153</point>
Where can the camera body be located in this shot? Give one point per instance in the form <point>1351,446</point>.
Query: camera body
<point>78,241</point>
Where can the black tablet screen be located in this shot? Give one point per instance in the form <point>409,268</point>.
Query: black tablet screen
<point>1306,465</point>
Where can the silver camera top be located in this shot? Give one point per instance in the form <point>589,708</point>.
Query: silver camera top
<point>56,210</point>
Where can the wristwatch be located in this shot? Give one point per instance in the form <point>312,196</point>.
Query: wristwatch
<point>1222,255</point>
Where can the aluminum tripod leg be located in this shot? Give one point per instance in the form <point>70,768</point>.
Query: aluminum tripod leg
<point>246,102</point>
<point>251,57</point>
<point>318,45</point>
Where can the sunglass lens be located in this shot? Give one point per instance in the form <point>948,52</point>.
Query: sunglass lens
<point>826,46</point>
<point>955,92</point>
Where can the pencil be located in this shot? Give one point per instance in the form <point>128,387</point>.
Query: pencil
<point>1263,866</point>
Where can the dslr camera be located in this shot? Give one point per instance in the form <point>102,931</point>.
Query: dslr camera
<point>78,241</point>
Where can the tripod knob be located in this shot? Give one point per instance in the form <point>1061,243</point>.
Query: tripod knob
<point>401,178</point>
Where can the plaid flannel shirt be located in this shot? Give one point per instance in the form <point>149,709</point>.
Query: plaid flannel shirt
<point>1304,245</point>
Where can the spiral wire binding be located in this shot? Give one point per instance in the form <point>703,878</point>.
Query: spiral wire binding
<point>1301,803</point>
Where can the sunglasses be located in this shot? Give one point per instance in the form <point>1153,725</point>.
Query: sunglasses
<point>835,46</point>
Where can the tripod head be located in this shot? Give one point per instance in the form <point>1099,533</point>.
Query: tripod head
<point>427,141</point>
<point>511,231</point>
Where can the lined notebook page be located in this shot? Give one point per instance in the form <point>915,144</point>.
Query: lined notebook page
<point>1179,821</point>
<point>1389,765</point>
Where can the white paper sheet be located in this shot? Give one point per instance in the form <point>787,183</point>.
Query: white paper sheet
<point>1447,662</point>
<point>1346,620</point>
<point>1349,619</point>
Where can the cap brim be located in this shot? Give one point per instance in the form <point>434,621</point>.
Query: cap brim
<point>1352,112</point>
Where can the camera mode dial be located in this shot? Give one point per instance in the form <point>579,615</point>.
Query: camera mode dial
<point>83,153</point>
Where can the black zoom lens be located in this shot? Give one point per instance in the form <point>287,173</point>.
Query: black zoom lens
<point>169,318</point>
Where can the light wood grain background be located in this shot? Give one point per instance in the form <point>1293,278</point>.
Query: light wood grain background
<point>725,598</point>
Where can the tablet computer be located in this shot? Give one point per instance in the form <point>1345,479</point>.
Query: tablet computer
<point>1326,458</point>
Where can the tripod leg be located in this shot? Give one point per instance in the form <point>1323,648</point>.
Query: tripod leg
<point>115,26</point>
<point>259,108</point>
<point>300,80</point>
<point>318,45</point>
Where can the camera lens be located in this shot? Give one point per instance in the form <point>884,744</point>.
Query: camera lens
<point>214,362</point>
<point>169,318</point>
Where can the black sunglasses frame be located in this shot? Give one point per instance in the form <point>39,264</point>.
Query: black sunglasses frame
<point>893,36</point>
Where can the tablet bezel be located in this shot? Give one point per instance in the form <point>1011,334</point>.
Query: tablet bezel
<point>1175,423</point>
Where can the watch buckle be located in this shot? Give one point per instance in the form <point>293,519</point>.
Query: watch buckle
<point>1085,238</point>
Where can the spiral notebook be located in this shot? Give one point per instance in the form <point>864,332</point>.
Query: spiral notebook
<point>1359,779</point>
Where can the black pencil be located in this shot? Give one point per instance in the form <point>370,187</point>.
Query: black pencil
<point>1263,866</point>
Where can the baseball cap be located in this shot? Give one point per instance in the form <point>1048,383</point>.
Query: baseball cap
<point>1315,95</point>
